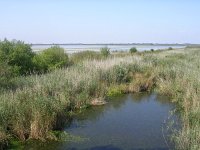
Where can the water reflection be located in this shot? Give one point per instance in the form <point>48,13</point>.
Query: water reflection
<point>133,121</point>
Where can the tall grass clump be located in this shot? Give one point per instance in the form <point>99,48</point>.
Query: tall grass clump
<point>85,55</point>
<point>179,78</point>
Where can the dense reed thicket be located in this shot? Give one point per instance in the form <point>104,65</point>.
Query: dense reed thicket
<point>179,77</point>
<point>35,107</point>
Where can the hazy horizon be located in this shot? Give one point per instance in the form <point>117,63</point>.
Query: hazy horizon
<point>94,22</point>
<point>111,43</point>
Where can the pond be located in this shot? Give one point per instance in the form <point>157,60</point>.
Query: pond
<point>130,122</point>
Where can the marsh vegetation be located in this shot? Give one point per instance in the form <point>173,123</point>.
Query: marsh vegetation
<point>35,95</point>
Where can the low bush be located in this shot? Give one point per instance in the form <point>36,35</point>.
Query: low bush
<point>18,55</point>
<point>105,51</point>
<point>133,50</point>
<point>50,59</point>
<point>152,50</point>
<point>170,48</point>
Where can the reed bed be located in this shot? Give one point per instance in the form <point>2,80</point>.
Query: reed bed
<point>35,107</point>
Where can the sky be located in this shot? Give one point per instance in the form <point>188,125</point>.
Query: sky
<point>100,21</point>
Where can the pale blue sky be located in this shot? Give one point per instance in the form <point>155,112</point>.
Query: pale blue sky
<point>100,21</point>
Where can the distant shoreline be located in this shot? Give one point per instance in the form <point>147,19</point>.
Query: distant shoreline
<point>104,44</point>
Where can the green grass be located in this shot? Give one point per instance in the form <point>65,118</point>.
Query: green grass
<point>34,109</point>
<point>85,55</point>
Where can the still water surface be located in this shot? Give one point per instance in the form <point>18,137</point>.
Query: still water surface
<point>130,122</point>
<point>79,48</point>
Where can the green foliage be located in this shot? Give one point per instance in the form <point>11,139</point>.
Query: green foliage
<point>5,74</point>
<point>18,55</point>
<point>85,55</point>
<point>152,50</point>
<point>133,50</point>
<point>170,48</point>
<point>50,59</point>
<point>116,90</point>
<point>20,60</point>
<point>121,73</point>
<point>105,51</point>
<point>118,74</point>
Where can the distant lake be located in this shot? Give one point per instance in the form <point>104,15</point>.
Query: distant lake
<point>96,47</point>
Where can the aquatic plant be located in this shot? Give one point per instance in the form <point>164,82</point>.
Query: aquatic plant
<point>114,91</point>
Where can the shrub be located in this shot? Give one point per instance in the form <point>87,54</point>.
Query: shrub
<point>50,59</point>
<point>121,73</point>
<point>105,51</point>
<point>18,55</point>
<point>152,50</point>
<point>170,48</point>
<point>133,50</point>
